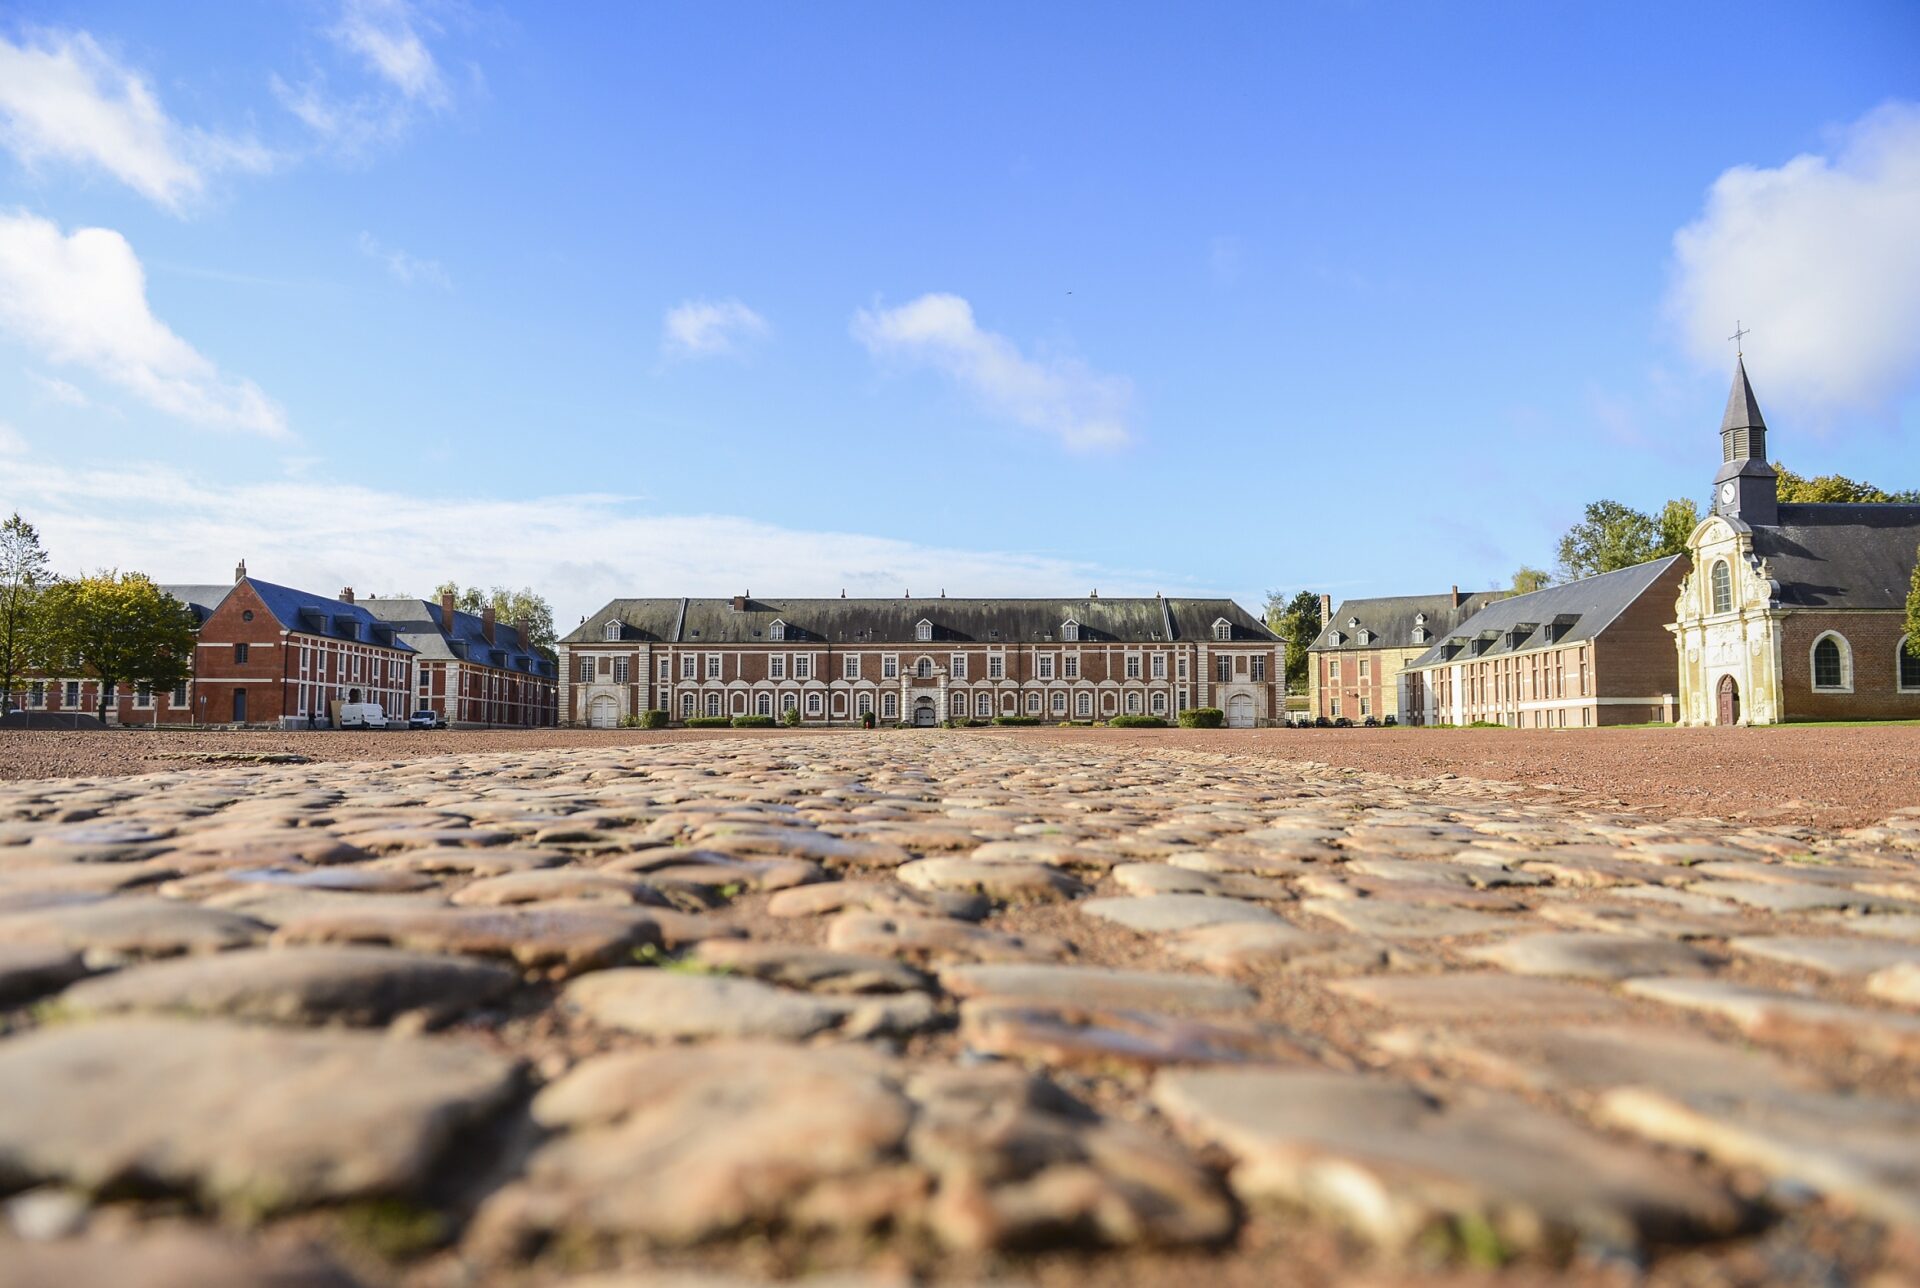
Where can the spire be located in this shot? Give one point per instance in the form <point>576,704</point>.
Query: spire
<point>1746,487</point>
<point>1743,431</point>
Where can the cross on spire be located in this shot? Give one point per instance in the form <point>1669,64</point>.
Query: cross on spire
<point>1738,332</point>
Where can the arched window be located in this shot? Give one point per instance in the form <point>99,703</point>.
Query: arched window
<point>1083,704</point>
<point>1133,703</point>
<point>813,704</point>
<point>984,704</point>
<point>1831,669</point>
<point>611,631</point>
<point>1908,668</point>
<point>889,706</point>
<point>763,704</point>
<point>957,705</point>
<point>924,668</point>
<point>1722,580</point>
<point>1159,703</point>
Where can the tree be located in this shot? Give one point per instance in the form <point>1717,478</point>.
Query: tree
<point>1527,580</point>
<point>1795,488</point>
<point>119,628</point>
<point>1913,609</point>
<point>515,607</point>
<point>1612,536</point>
<point>24,574</point>
<point>1297,622</point>
<point>1677,521</point>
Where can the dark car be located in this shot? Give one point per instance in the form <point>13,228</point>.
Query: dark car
<point>1341,722</point>
<point>426,719</point>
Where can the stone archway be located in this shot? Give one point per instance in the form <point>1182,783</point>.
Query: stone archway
<point>924,712</point>
<point>1728,696</point>
<point>602,714</point>
<point>1240,712</point>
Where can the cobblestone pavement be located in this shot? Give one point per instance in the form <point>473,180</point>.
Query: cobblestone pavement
<point>879,1009</point>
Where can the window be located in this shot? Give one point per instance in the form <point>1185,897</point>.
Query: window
<point>1159,703</point>
<point>1033,704</point>
<point>1180,700</point>
<point>1133,666</point>
<point>1044,666</point>
<point>713,704</point>
<point>713,666</point>
<point>240,652</point>
<point>1722,579</point>
<point>777,631</point>
<point>1159,666</point>
<point>863,704</point>
<point>789,702</point>
<point>923,631</point>
<point>1830,664</point>
<point>666,670</point>
<point>1223,669</point>
<point>1223,629</point>
<point>662,698</point>
<point>36,695</point>
<point>622,670</point>
<point>1133,704</point>
<point>586,670</point>
<point>957,706</point>
<point>890,667</point>
<point>1366,637</point>
<point>1070,631</point>
<point>687,664</point>
<point>1083,704</point>
<point>1907,669</point>
<point>996,666</point>
<point>179,698</point>
<point>889,706</point>
<point>851,669</point>
<point>924,668</point>
<point>777,666</point>
<point>1366,668</point>
<point>763,704</point>
<point>1366,706</point>
<point>1333,670</point>
<point>611,631</point>
<point>1059,702</point>
<point>1259,669</point>
<point>1070,666</point>
<point>143,695</point>
<point>803,666</point>
<point>73,694</point>
<point>813,704</point>
<point>686,706</point>
<point>957,666</point>
<point>1336,708</point>
<point>984,705</point>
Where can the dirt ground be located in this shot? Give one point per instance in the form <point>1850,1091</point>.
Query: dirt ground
<point>1826,776</point>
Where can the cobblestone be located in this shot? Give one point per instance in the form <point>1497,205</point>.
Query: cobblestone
<point>983,1008</point>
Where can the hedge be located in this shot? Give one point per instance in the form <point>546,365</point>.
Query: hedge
<point>1137,722</point>
<point>652,720</point>
<point>1016,720</point>
<point>708,722</point>
<point>753,722</point>
<point>1202,718</point>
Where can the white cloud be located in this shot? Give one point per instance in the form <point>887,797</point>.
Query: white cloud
<point>54,389</point>
<point>405,268</point>
<point>64,98</point>
<point>1820,257</point>
<point>81,300</point>
<point>318,534</point>
<point>1061,395</point>
<point>383,35</point>
<point>384,38</point>
<point>709,328</point>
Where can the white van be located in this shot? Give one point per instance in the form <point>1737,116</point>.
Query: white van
<point>359,715</point>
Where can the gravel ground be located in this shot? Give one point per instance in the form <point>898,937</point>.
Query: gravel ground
<point>1829,777</point>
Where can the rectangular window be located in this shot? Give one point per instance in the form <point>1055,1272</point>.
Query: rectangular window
<point>803,666</point>
<point>890,667</point>
<point>1223,669</point>
<point>179,698</point>
<point>620,671</point>
<point>687,664</point>
<point>666,670</point>
<point>1133,666</point>
<point>73,694</point>
<point>713,667</point>
<point>852,671</point>
<point>239,652</point>
<point>1259,668</point>
<point>1180,700</point>
<point>1333,670</point>
<point>996,666</point>
<point>1366,668</point>
<point>1183,666</point>
<point>143,695</point>
<point>777,666</point>
<point>1366,705</point>
<point>1159,666</point>
<point>586,670</point>
<point>1044,663</point>
<point>957,666</point>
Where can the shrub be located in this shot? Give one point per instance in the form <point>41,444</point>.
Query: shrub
<point>651,719</point>
<point>866,720</point>
<point>1137,722</point>
<point>708,722</point>
<point>1016,720</point>
<point>629,722</point>
<point>1202,718</point>
<point>753,722</point>
<point>790,717</point>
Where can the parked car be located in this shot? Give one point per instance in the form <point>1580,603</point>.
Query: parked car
<point>426,718</point>
<point>1390,721</point>
<point>1321,722</point>
<point>1370,723</point>
<point>1342,722</point>
<point>362,715</point>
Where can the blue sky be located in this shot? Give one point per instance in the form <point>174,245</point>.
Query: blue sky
<point>622,299</point>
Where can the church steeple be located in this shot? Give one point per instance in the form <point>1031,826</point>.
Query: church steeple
<point>1746,487</point>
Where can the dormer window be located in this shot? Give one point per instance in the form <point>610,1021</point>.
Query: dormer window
<point>1419,635</point>
<point>1223,629</point>
<point>1333,638</point>
<point>611,631</point>
<point>1366,636</point>
<point>777,631</point>
<point>1070,631</point>
<point>923,630</point>
<point>1353,622</point>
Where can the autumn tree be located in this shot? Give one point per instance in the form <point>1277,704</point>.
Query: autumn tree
<point>1913,609</point>
<point>1795,488</point>
<point>1296,621</point>
<point>24,575</point>
<point>520,607</point>
<point>1526,580</point>
<point>119,628</point>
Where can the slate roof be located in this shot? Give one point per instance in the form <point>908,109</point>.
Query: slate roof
<point>201,599</point>
<point>311,614</point>
<point>1390,620</point>
<point>1577,611</point>
<point>1841,555</point>
<point>1743,409</point>
<point>417,622</point>
<point>894,621</point>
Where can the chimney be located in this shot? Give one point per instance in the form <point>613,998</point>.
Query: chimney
<point>1094,593</point>
<point>908,595</point>
<point>943,592</point>
<point>486,622</point>
<point>346,594</point>
<point>446,613</point>
<point>240,572</point>
<point>843,592</point>
<point>1326,610</point>
<point>1456,597</point>
<point>739,603</point>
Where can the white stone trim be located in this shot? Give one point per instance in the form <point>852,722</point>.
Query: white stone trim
<point>1846,664</point>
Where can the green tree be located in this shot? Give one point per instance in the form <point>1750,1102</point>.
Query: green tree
<point>1677,521</point>
<point>514,607</point>
<point>119,628</point>
<point>1296,621</point>
<point>1527,580</point>
<point>1913,609</point>
<point>1834,487</point>
<point>24,574</point>
<point>1611,536</point>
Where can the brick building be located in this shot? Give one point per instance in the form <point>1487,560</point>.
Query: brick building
<point>920,661</point>
<point>1793,611</point>
<point>1590,652</point>
<point>1353,665</point>
<point>473,671</point>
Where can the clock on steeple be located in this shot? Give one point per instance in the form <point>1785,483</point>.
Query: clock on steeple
<point>1746,488</point>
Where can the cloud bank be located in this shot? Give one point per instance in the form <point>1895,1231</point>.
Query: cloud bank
<point>80,300</point>
<point>1821,257</point>
<point>1062,396</point>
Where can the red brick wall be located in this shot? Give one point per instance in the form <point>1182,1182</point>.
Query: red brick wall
<point>1872,637</point>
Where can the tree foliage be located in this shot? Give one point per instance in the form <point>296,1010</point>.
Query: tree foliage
<point>1677,521</point>
<point>1796,488</point>
<point>1526,580</point>
<point>24,574</point>
<point>521,607</point>
<point>1296,621</point>
<point>1611,536</point>
<point>119,628</point>
<point>1913,609</point>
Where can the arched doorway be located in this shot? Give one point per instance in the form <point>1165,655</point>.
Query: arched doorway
<point>1240,712</point>
<point>601,714</point>
<point>1729,694</point>
<point>924,714</point>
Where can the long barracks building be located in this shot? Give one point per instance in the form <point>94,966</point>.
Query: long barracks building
<point>919,661</point>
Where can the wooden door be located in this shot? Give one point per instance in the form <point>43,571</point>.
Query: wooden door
<point>1729,701</point>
